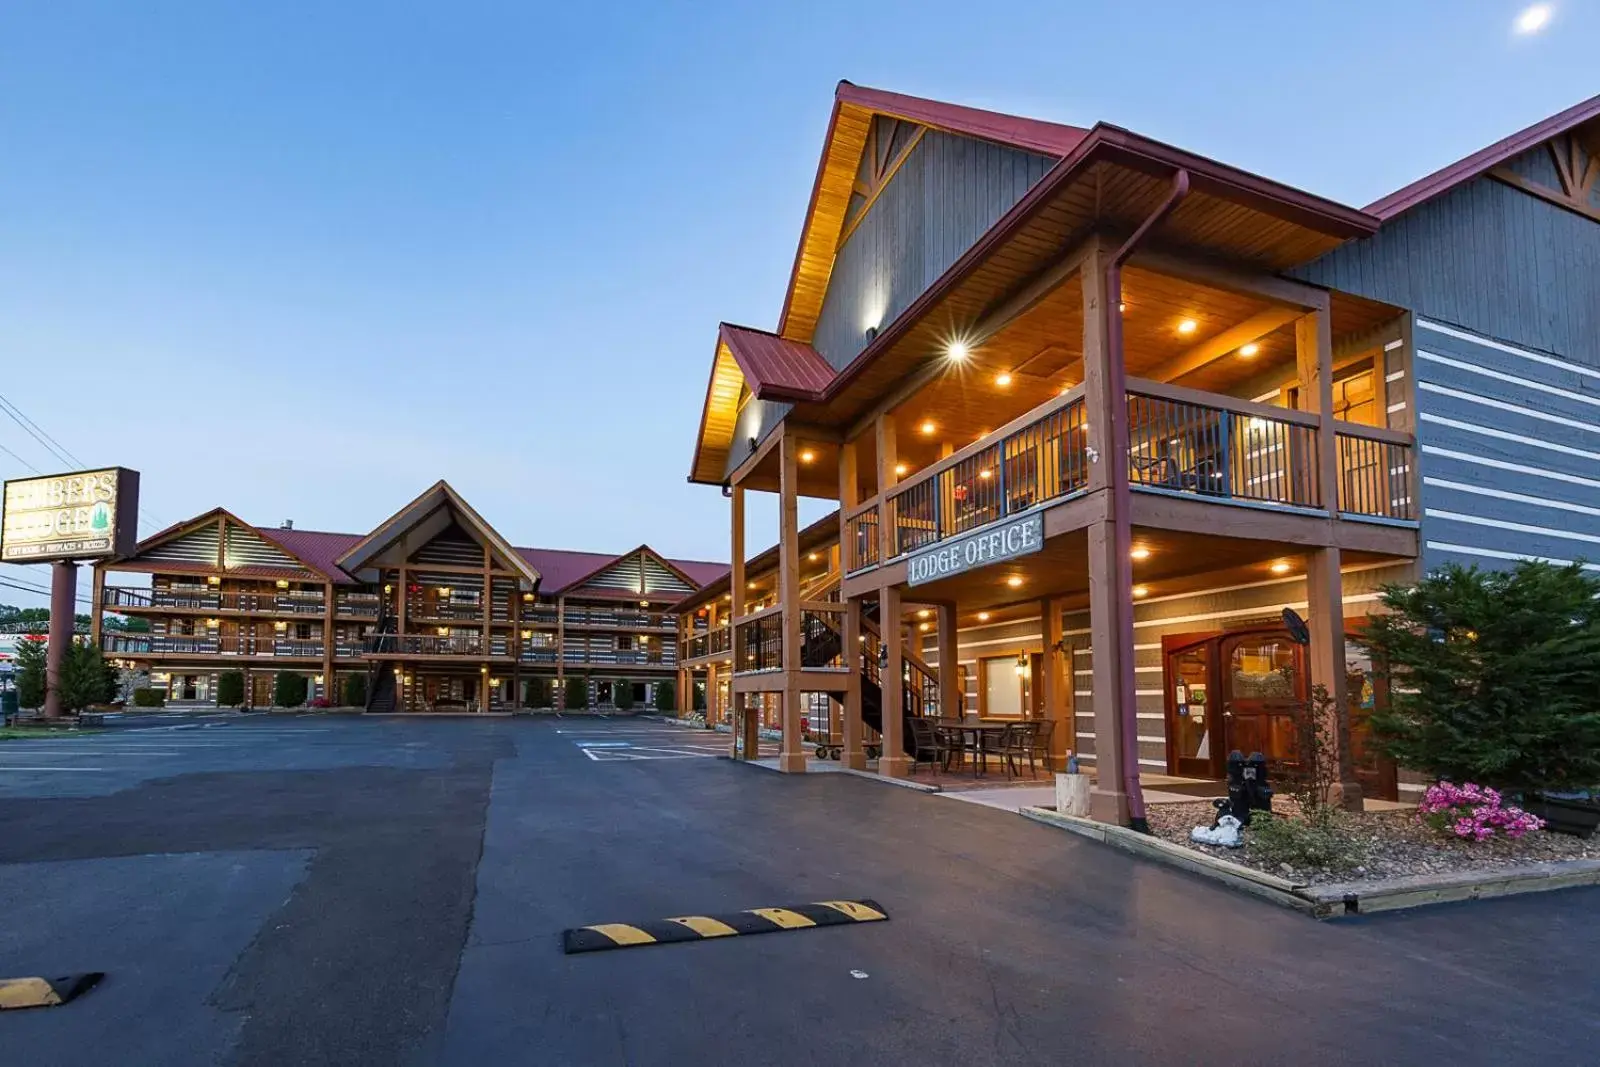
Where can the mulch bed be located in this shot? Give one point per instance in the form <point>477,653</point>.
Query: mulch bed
<point>1398,845</point>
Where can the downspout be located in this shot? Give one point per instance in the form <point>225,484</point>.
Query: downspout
<point>1121,504</point>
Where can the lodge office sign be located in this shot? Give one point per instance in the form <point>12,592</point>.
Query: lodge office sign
<point>82,515</point>
<point>1019,537</point>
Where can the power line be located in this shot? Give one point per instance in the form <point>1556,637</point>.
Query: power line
<point>37,433</point>
<point>11,585</point>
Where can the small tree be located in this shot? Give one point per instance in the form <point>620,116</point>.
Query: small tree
<point>1314,775</point>
<point>30,672</point>
<point>145,697</point>
<point>289,689</point>
<point>1494,675</point>
<point>536,693</point>
<point>230,689</point>
<point>355,690</point>
<point>622,695</point>
<point>83,677</point>
<point>666,697</point>
<point>575,696</point>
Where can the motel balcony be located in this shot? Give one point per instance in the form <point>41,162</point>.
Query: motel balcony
<point>159,646</point>
<point>708,644</point>
<point>201,598</point>
<point>1183,444</point>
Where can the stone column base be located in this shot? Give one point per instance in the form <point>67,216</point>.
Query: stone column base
<point>1108,806</point>
<point>792,762</point>
<point>894,766</point>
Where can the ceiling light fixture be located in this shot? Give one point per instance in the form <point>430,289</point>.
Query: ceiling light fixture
<point>1015,581</point>
<point>1003,379</point>
<point>1139,552</point>
<point>1188,326</point>
<point>983,616</point>
<point>900,470</point>
<point>958,351</point>
<point>924,613</point>
<point>806,455</point>
<point>1280,567</point>
<point>927,427</point>
<point>1248,351</point>
<point>1140,591</point>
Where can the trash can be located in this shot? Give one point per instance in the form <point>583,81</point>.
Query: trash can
<point>8,704</point>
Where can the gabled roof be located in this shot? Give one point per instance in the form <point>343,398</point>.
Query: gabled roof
<point>438,495</point>
<point>774,367</point>
<point>306,548</point>
<point>1481,162</point>
<point>854,108</point>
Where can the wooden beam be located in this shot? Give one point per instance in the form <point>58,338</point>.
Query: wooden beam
<point>792,756</point>
<point>888,457</point>
<point>1313,336</point>
<point>1035,289</point>
<point>1232,279</point>
<point>1228,341</point>
<point>1325,611</point>
<point>1554,196</point>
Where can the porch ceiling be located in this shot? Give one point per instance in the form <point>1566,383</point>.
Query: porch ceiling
<point>1179,562</point>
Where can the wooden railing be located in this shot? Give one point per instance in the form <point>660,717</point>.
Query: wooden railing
<point>425,644</point>
<point>708,643</point>
<point>1180,441</point>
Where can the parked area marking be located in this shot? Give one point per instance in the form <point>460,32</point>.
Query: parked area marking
<point>44,992</point>
<point>603,936</point>
<point>628,744</point>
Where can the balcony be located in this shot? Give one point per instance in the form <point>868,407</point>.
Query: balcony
<point>185,645</point>
<point>201,598</point>
<point>423,611</point>
<point>424,645</point>
<point>708,643</point>
<point>624,657</point>
<point>621,620</point>
<point>1180,442</point>
<point>357,605</point>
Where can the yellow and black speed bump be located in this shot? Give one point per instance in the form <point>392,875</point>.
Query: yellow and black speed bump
<point>604,936</point>
<point>44,992</point>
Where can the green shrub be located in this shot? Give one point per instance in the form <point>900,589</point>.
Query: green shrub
<point>666,698</point>
<point>355,690</point>
<point>575,696</point>
<point>230,689</point>
<point>1326,841</point>
<point>289,689</point>
<point>145,697</point>
<point>30,656</point>
<point>622,695</point>
<point>1493,676</point>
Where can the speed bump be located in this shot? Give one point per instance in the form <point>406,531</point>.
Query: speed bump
<point>603,936</point>
<point>44,992</point>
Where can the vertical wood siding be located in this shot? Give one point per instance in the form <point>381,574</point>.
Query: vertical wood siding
<point>1489,258</point>
<point>949,191</point>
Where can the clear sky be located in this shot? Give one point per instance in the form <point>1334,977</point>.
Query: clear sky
<point>303,259</point>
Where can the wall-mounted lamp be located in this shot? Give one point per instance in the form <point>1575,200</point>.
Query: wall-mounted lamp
<point>883,657</point>
<point>213,580</point>
<point>280,626</point>
<point>872,334</point>
<point>727,488</point>
<point>1022,664</point>
<point>283,583</point>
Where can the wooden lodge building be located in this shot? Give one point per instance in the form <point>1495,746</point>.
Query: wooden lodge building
<point>1096,409</point>
<point>434,606</point>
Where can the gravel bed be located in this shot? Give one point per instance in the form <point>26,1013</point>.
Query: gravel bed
<point>1398,845</point>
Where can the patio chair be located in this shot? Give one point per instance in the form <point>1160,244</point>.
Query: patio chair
<point>927,746</point>
<point>1041,743</point>
<point>1017,743</point>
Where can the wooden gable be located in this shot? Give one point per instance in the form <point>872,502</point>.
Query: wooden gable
<point>1565,171</point>
<point>201,545</point>
<point>640,573</point>
<point>243,547</point>
<point>452,546</point>
<point>889,142</point>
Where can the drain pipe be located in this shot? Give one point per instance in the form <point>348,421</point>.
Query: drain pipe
<point>1121,504</point>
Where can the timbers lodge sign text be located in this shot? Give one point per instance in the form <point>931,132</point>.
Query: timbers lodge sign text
<point>1019,537</point>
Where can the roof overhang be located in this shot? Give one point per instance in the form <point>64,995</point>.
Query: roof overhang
<point>438,501</point>
<point>215,515</point>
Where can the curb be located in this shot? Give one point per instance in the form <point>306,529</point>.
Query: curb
<point>1339,899</point>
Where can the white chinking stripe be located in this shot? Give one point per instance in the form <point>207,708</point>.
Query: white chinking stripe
<point>1501,405</point>
<point>1506,465</point>
<point>1516,527</point>
<point>1505,435</point>
<point>1500,346</point>
<point>1520,498</point>
<point>1511,379</point>
<point>1498,554</point>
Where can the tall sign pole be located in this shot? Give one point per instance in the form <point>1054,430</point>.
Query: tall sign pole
<point>62,519</point>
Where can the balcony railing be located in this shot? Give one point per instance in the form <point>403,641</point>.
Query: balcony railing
<point>424,645</point>
<point>627,620</point>
<point>759,642</point>
<point>760,639</point>
<point>421,609</point>
<point>1374,476</point>
<point>538,655</point>
<point>358,605</point>
<point>709,643</point>
<point>300,649</point>
<point>233,645</point>
<point>622,657</point>
<point>211,600</point>
<point>1179,441</point>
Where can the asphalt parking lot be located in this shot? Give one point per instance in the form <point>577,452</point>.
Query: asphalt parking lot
<point>318,890</point>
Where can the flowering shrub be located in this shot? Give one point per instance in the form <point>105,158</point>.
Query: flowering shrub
<point>1473,812</point>
<point>321,702</point>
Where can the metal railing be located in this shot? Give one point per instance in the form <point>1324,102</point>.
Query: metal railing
<point>821,640</point>
<point>707,643</point>
<point>425,644</point>
<point>1374,477</point>
<point>861,546</point>
<point>759,645</point>
<point>422,609</point>
<point>1189,448</point>
<point>633,620</point>
<point>1043,459</point>
<point>301,649</point>
<point>277,603</point>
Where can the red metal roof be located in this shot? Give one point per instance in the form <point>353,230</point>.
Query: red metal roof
<point>316,547</point>
<point>562,568</point>
<point>774,367</point>
<point>1034,135</point>
<point>1479,163</point>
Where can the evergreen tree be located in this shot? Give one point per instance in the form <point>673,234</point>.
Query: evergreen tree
<point>30,672</point>
<point>83,677</point>
<point>1494,675</point>
<point>666,698</point>
<point>622,695</point>
<point>289,689</point>
<point>355,690</point>
<point>230,689</point>
<point>575,697</point>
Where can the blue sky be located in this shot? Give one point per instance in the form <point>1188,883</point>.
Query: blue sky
<point>302,259</point>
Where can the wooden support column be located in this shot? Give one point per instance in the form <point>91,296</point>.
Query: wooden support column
<point>405,596</point>
<point>561,650</point>
<point>97,611</point>
<point>1313,346</point>
<point>712,714</point>
<point>1110,569</point>
<point>736,589</point>
<point>792,756</point>
<point>852,754</point>
<point>328,644</point>
<point>951,698</point>
<point>1057,684</point>
<point>893,762</point>
<point>888,459</point>
<point>1325,608</point>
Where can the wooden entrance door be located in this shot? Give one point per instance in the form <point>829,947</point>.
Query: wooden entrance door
<point>1194,712</point>
<point>1263,677</point>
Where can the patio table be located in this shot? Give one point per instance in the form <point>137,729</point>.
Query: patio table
<point>979,732</point>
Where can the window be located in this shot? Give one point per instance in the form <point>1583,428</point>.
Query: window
<point>624,642</point>
<point>1002,694</point>
<point>1354,398</point>
<point>302,631</point>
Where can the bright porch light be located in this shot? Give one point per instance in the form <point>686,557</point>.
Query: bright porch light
<point>900,470</point>
<point>1015,581</point>
<point>1188,326</point>
<point>806,455</point>
<point>1280,567</point>
<point>983,616</point>
<point>1002,379</point>
<point>1140,552</point>
<point>958,351</point>
<point>1249,350</point>
<point>1140,591</point>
